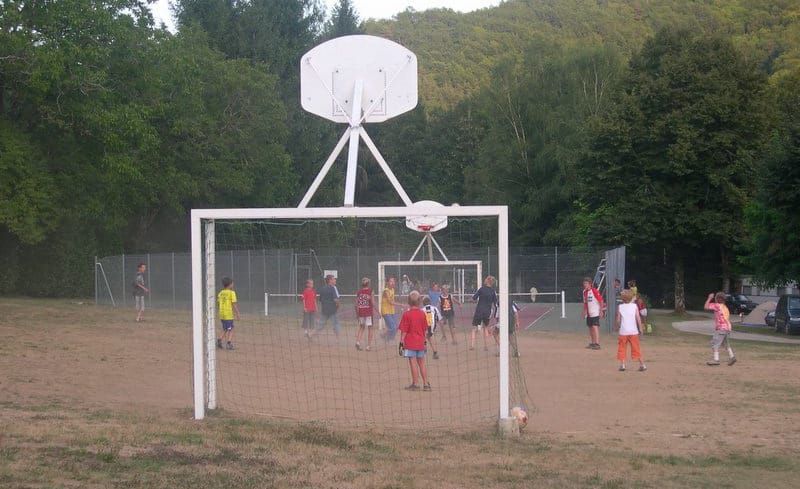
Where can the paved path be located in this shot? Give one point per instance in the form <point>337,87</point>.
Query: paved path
<point>707,328</point>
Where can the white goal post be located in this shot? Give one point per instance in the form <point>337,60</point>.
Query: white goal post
<point>458,283</point>
<point>203,280</point>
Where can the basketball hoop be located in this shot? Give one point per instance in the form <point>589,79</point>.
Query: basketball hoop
<point>425,228</point>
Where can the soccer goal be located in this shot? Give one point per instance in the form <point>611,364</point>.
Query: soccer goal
<point>274,369</point>
<point>461,276</point>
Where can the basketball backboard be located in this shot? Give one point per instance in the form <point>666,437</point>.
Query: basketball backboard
<point>385,70</point>
<point>428,223</point>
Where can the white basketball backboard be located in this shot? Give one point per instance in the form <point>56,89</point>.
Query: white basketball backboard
<point>329,74</point>
<point>427,223</point>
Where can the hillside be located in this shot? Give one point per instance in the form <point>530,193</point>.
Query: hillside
<point>458,51</point>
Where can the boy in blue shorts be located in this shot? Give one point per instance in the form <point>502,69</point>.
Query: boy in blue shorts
<point>413,326</point>
<point>228,309</point>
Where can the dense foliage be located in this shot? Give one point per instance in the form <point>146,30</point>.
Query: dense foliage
<point>773,220</point>
<point>670,165</point>
<point>651,123</point>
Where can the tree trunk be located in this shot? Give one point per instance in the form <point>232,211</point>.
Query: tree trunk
<point>680,297</point>
<point>726,275</point>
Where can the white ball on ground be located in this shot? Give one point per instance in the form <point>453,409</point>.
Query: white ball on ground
<point>521,415</point>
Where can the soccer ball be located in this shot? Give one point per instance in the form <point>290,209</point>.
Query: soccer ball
<point>521,415</point>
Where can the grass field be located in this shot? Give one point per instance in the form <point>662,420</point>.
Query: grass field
<point>91,399</point>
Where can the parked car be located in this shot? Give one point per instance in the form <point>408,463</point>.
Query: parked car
<point>769,319</point>
<point>739,304</point>
<point>787,314</point>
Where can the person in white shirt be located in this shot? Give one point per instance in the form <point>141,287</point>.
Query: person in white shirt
<point>628,323</point>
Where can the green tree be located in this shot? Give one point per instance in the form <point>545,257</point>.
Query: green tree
<point>343,21</point>
<point>536,112</point>
<point>273,35</point>
<point>772,218</point>
<point>28,195</point>
<point>110,129</point>
<point>672,163</point>
<point>273,32</point>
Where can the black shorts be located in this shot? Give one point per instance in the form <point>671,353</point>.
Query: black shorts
<point>592,321</point>
<point>481,318</point>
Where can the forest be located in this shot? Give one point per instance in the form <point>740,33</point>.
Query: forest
<point>670,127</point>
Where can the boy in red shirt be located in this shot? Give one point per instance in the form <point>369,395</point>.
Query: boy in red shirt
<point>593,310</point>
<point>309,308</point>
<point>364,308</point>
<point>413,326</point>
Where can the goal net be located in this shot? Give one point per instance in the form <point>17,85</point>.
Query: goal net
<point>276,369</point>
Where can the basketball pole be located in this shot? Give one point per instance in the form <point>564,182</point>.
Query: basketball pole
<point>429,239</point>
<point>324,171</point>
<point>352,154</point>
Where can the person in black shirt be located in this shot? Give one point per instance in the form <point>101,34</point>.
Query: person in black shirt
<point>487,302</point>
<point>329,300</point>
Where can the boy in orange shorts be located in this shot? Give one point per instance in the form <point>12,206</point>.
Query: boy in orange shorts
<point>628,323</point>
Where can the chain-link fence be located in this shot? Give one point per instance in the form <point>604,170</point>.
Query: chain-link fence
<point>284,271</point>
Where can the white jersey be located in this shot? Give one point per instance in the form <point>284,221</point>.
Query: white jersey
<point>432,315</point>
<point>627,316</point>
<point>592,302</point>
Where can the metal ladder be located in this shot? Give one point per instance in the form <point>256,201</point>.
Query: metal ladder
<point>600,276</point>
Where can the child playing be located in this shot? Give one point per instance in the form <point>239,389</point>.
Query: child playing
<point>633,288</point>
<point>388,309</point>
<point>364,308</point>
<point>487,301</point>
<point>593,310</point>
<point>628,324</point>
<point>309,308</point>
<point>643,313</point>
<point>413,326</point>
<point>445,304</point>
<point>228,307</point>
<point>139,291</point>
<point>435,294</point>
<point>432,317</point>
<point>329,302</point>
<point>722,327</point>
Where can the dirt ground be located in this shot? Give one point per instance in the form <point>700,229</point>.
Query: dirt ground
<point>89,398</point>
<point>83,357</point>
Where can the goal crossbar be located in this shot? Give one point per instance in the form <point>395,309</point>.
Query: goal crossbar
<point>203,282</point>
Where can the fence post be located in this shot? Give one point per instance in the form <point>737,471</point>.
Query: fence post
<point>173,279</point>
<point>556,276</point>
<point>124,295</point>
<point>96,292</point>
<point>149,282</point>
<point>563,305</point>
<point>249,278</point>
